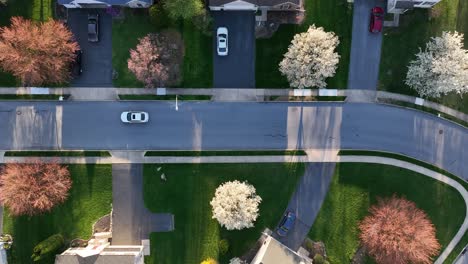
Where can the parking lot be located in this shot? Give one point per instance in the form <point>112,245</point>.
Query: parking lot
<point>237,69</point>
<point>97,57</point>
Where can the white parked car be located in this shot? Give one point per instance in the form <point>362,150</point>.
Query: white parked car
<point>222,40</point>
<point>134,117</point>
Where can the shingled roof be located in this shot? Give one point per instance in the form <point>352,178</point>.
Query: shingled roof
<point>256,2</point>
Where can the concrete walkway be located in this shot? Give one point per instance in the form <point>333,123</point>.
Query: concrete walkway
<point>307,201</point>
<point>131,221</point>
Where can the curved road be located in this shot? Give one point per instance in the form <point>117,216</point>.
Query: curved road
<point>209,125</point>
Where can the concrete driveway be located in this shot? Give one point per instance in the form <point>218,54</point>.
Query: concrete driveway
<point>365,48</point>
<point>306,202</point>
<point>97,57</point>
<point>131,221</point>
<point>237,69</point>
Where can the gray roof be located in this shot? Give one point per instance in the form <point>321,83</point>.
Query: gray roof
<point>404,4</point>
<point>256,2</point>
<point>97,259</point>
<point>109,2</point>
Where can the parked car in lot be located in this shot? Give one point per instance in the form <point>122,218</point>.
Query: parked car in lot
<point>286,224</point>
<point>376,19</point>
<point>76,65</point>
<point>222,40</point>
<point>134,117</point>
<point>93,27</point>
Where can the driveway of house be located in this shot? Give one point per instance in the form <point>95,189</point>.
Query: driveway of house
<point>237,69</point>
<point>365,48</point>
<point>97,57</point>
<point>306,202</point>
<point>131,221</point>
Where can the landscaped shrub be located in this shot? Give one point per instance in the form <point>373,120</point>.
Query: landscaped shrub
<point>204,23</point>
<point>319,259</point>
<point>209,261</point>
<point>397,232</point>
<point>35,187</point>
<point>158,16</point>
<point>49,246</point>
<point>223,246</point>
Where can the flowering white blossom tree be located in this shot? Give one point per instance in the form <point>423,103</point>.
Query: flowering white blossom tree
<point>235,205</point>
<point>440,69</point>
<point>310,58</point>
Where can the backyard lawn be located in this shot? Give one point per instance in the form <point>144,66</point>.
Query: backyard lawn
<point>416,28</point>
<point>197,65</point>
<point>90,198</point>
<point>332,15</point>
<point>356,186</point>
<point>187,194</point>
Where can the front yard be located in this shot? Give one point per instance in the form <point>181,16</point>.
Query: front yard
<point>332,15</point>
<point>187,194</point>
<point>416,28</point>
<point>356,186</point>
<point>90,198</point>
<point>197,64</point>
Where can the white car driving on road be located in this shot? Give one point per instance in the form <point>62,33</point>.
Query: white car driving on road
<point>134,117</point>
<point>222,40</point>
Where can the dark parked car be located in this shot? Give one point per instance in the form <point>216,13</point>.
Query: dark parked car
<point>93,27</point>
<point>76,66</point>
<point>376,19</point>
<point>286,224</point>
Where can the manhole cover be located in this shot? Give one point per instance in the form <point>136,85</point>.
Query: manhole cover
<point>18,112</point>
<point>441,131</point>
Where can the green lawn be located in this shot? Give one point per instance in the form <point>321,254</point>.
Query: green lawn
<point>187,193</point>
<point>90,198</point>
<point>197,65</point>
<point>416,28</point>
<point>332,15</point>
<point>355,187</point>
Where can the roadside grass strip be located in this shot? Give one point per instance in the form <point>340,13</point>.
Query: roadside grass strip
<point>57,154</point>
<point>225,153</point>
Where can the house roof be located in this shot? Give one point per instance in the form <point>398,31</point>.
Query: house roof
<point>256,2</point>
<point>109,2</point>
<point>404,4</point>
<point>97,259</point>
<point>273,252</point>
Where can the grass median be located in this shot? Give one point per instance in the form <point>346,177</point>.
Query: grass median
<point>57,154</point>
<point>183,153</point>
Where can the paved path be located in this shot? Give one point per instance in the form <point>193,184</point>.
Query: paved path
<point>306,202</point>
<point>131,221</point>
<point>219,126</point>
<point>365,48</point>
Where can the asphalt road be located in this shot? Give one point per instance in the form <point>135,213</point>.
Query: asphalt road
<point>210,125</point>
<point>97,57</point>
<point>365,48</point>
<point>237,69</point>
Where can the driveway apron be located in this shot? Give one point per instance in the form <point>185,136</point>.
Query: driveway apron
<point>97,57</point>
<point>365,48</point>
<point>306,202</point>
<point>237,69</point>
<point>131,221</point>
